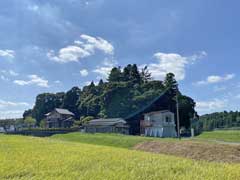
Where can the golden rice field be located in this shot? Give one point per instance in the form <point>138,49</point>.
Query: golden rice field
<point>45,158</point>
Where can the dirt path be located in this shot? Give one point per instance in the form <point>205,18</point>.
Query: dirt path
<point>194,150</point>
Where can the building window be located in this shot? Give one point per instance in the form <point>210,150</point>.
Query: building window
<point>168,119</point>
<point>148,118</point>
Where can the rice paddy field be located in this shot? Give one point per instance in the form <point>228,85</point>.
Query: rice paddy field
<point>23,157</point>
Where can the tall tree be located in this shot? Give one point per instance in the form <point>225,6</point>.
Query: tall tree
<point>145,74</point>
<point>71,99</point>
<point>115,75</point>
<point>170,82</point>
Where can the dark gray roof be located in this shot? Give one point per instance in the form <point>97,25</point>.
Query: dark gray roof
<point>106,122</point>
<point>64,111</point>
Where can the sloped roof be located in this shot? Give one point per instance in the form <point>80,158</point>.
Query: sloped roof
<point>63,111</point>
<point>106,122</point>
<point>162,111</point>
<point>147,105</point>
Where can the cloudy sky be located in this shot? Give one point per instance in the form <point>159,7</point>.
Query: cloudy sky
<point>51,46</point>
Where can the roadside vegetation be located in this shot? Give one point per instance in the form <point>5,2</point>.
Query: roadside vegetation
<point>25,157</point>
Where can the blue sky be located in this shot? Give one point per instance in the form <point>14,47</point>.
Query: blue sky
<point>51,46</point>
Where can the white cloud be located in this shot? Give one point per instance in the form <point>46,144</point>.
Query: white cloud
<point>8,104</point>
<point>7,53</point>
<point>84,72</point>
<point>11,114</point>
<point>33,7</point>
<point>4,78</point>
<point>97,43</point>
<point>215,79</point>
<point>211,106</point>
<point>9,72</point>
<point>174,63</point>
<point>81,49</point>
<point>105,68</point>
<point>33,80</point>
<point>57,82</point>
<point>13,73</point>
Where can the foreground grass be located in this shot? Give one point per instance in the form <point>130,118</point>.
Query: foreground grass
<point>221,135</point>
<point>44,158</point>
<point>115,140</point>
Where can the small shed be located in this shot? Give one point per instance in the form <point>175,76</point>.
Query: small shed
<point>113,125</point>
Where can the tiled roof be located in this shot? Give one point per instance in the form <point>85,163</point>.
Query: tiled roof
<point>64,111</point>
<point>106,122</point>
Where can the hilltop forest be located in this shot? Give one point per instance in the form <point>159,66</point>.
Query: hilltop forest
<point>125,91</point>
<point>220,120</point>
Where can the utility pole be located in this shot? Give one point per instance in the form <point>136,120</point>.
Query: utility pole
<point>178,121</point>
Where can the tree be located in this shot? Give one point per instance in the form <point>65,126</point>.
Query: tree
<point>101,83</point>
<point>186,110</point>
<point>115,75</point>
<point>135,76</point>
<point>43,123</point>
<point>27,113</point>
<point>170,82</point>
<point>45,103</point>
<point>131,73</point>
<point>145,74</point>
<point>71,99</point>
<point>86,119</point>
<point>6,123</point>
<point>127,72</point>
<point>30,122</point>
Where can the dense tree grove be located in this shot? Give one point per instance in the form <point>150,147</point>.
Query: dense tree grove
<point>224,119</point>
<point>125,91</point>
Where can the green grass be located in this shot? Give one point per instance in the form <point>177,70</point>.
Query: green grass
<point>221,135</point>
<point>24,157</point>
<point>115,140</point>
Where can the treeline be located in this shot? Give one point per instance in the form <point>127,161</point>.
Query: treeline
<point>220,120</point>
<point>125,91</point>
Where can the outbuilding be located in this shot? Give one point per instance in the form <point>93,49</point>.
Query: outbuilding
<point>112,125</point>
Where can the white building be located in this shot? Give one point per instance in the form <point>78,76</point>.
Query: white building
<point>160,124</point>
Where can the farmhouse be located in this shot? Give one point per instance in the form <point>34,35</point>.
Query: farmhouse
<point>59,118</point>
<point>114,125</point>
<point>156,118</point>
<point>158,124</point>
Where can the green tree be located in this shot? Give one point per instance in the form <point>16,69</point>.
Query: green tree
<point>30,122</point>
<point>43,123</point>
<point>145,75</point>
<point>86,119</point>
<point>170,82</point>
<point>115,75</point>
<point>71,100</point>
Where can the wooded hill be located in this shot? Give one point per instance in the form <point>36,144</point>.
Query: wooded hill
<point>125,91</point>
<point>219,120</point>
